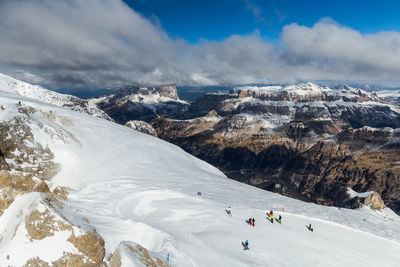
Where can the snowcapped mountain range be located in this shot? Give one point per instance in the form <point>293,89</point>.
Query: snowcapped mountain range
<point>103,194</point>
<point>344,104</point>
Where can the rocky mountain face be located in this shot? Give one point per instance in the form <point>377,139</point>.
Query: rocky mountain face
<point>143,104</point>
<point>304,141</point>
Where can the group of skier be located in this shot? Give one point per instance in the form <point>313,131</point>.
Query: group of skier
<point>251,221</point>
<point>270,217</point>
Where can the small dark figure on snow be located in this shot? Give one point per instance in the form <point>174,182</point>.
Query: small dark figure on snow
<point>245,245</point>
<point>310,228</point>
<point>249,221</point>
<point>228,211</point>
<point>280,219</point>
<point>253,221</point>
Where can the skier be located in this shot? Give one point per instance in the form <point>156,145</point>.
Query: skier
<point>310,228</point>
<point>245,245</point>
<point>253,221</point>
<point>249,221</point>
<point>279,219</point>
<point>228,211</point>
<point>271,216</point>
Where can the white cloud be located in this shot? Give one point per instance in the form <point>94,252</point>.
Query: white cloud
<point>344,51</point>
<point>104,43</point>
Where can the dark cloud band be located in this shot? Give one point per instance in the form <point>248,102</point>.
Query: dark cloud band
<point>106,44</point>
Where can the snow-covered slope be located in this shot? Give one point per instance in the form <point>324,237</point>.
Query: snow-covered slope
<point>136,189</point>
<point>37,92</point>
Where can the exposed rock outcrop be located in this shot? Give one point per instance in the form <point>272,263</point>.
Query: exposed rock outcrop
<point>134,254</point>
<point>374,201</point>
<point>169,91</point>
<point>142,127</point>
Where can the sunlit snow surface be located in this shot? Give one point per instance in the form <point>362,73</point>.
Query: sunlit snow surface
<point>133,187</point>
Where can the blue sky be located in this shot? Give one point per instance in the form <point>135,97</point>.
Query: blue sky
<point>112,43</point>
<point>218,19</point>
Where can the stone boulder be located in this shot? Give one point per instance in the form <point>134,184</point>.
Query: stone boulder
<point>375,201</point>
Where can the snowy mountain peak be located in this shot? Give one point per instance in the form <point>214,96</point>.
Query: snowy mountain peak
<point>148,95</point>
